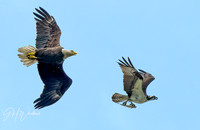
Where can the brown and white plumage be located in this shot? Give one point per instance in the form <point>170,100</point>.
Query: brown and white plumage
<point>50,57</point>
<point>135,84</point>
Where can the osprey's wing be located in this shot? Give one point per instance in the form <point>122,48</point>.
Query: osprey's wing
<point>131,75</point>
<point>56,83</point>
<point>147,79</point>
<point>48,32</point>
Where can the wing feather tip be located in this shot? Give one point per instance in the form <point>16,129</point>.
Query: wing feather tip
<point>36,100</point>
<point>124,62</point>
<point>142,70</point>
<point>45,12</point>
<point>40,7</point>
<point>130,62</point>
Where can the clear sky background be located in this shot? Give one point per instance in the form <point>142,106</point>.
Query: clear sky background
<point>160,36</point>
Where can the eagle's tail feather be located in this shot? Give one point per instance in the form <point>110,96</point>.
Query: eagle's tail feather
<point>28,55</point>
<point>119,98</point>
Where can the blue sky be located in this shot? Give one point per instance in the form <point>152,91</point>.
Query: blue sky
<point>160,37</point>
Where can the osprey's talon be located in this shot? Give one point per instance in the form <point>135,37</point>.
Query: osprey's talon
<point>124,103</point>
<point>132,105</point>
<point>135,84</point>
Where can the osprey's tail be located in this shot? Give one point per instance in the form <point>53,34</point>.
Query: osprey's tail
<point>119,98</point>
<point>28,55</point>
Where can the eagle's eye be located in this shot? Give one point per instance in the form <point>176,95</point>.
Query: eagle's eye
<point>73,52</point>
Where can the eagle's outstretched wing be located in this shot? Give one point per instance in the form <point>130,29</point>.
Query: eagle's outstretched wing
<point>131,75</point>
<point>56,83</point>
<point>147,79</point>
<point>48,32</point>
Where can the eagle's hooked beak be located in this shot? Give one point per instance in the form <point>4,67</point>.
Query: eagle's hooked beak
<point>75,53</point>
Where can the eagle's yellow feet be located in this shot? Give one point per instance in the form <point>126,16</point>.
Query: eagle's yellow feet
<point>31,55</point>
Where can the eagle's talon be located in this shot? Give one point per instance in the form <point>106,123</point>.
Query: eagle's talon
<point>50,68</point>
<point>31,55</point>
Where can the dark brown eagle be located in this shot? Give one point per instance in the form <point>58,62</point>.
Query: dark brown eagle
<point>50,57</point>
<point>135,85</point>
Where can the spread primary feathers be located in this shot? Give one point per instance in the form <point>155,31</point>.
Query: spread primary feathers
<point>50,57</point>
<point>135,85</point>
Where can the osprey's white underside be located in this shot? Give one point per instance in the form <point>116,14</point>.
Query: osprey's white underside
<point>137,93</point>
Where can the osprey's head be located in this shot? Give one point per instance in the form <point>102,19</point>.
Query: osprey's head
<point>68,53</point>
<point>152,98</point>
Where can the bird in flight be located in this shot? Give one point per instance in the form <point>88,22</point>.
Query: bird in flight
<point>135,85</point>
<point>50,57</point>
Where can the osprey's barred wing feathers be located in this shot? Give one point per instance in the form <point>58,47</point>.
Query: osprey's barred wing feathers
<point>48,32</point>
<point>131,75</point>
<point>56,83</point>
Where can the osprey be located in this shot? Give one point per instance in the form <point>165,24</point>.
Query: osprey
<point>50,57</point>
<point>135,85</point>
